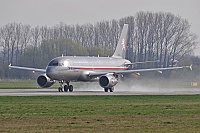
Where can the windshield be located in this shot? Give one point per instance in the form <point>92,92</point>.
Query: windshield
<point>53,63</point>
<point>61,63</point>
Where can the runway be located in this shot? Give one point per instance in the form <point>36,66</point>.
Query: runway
<point>54,92</point>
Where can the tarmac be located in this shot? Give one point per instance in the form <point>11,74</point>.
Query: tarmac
<point>54,92</point>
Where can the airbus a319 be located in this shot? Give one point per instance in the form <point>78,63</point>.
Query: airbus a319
<point>105,70</point>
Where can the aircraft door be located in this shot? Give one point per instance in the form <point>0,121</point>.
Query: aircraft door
<point>66,63</point>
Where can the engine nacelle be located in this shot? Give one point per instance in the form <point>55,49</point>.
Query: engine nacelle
<point>107,81</point>
<point>44,81</point>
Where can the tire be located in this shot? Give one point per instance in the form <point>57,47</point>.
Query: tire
<point>60,89</point>
<point>106,89</point>
<point>71,88</point>
<point>111,89</point>
<point>66,88</point>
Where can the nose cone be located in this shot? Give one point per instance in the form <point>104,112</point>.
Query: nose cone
<point>50,72</point>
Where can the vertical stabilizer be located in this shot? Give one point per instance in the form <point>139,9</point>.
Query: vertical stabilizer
<point>120,50</point>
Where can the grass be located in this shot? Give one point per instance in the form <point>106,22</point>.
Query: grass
<point>20,84</point>
<point>31,84</point>
<point>100,114</point>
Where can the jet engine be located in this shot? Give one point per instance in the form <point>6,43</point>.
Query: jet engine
<point>107,81</point>
<point>44,81</point>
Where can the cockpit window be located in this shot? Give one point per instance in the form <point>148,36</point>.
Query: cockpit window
<point>53,63</point>
<point>60,63</point>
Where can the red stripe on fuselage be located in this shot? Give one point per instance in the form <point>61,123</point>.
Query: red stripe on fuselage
<point>99,68</point>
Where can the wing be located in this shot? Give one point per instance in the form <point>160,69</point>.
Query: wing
<point>27,68</point>
<point>152,69</point>
<point>97,74</point>
<point>135,63</point>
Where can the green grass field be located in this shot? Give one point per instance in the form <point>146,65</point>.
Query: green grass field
<point>32,84</point>
<point>18,84</point>
<point>100,114</point>
<point>21,84</point>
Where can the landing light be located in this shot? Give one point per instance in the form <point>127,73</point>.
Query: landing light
<point>137,74</point>
<point>160,72</point>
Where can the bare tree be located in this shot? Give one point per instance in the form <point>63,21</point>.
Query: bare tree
<point>35,41</point>
<point>151,36</point>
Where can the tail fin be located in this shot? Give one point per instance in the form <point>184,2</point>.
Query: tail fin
<point>120,51</point>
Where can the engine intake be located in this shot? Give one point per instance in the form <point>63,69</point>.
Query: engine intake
<point>44,81</point>
<point>107,81</point>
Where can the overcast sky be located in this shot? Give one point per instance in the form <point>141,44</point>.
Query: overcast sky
<point>52,12</point>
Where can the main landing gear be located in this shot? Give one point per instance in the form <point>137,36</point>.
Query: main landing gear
<point>109,89</point>
<point>66,87</point>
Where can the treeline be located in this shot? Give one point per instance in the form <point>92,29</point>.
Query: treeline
<point>50,49</point>
<point>152,36</point>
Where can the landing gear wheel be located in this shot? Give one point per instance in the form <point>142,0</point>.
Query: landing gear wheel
<point>71,88</point>
<point>106,89</point>
<point>66,87</point>
<point>60,89</point>
<point>111,89</point>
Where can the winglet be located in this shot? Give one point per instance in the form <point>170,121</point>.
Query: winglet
<point>188,67</point>
<point>191,67</point>
<point>9,66</point>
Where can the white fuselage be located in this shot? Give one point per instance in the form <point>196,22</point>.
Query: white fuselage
<point>70,68</point>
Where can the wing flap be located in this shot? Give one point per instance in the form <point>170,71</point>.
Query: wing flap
<point>97,74</point>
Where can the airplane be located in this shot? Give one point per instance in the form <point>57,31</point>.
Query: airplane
<point>105,70</point>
